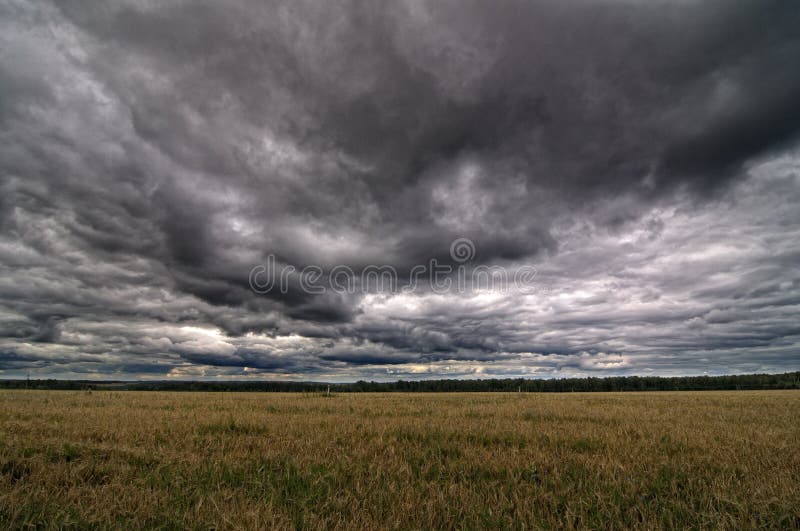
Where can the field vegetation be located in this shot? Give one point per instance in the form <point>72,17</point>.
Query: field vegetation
<point>110,459</point>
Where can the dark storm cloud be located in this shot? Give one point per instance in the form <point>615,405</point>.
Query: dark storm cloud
<point>151,156</point>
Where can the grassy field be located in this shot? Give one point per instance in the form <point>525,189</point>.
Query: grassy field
<point>227,460</point>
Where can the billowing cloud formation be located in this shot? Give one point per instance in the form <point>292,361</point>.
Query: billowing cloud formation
<point>642,156</point>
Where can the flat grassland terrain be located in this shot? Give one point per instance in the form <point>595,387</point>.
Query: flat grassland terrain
<point>247,460</point>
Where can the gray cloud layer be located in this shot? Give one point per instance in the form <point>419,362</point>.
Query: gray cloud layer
<point>642,155</point>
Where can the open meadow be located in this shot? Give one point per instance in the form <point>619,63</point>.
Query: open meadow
<point>107,459</point>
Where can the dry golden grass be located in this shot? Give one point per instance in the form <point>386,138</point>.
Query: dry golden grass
<point>237,460</point>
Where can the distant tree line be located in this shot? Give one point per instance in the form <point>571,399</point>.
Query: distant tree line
<point>789,380</point>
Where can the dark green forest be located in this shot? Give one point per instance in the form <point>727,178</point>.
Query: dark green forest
<point>789,380</point>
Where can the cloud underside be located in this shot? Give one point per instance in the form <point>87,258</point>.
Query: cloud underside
<point>642,156</point>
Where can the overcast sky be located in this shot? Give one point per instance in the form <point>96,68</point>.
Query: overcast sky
<point>643,157</point>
